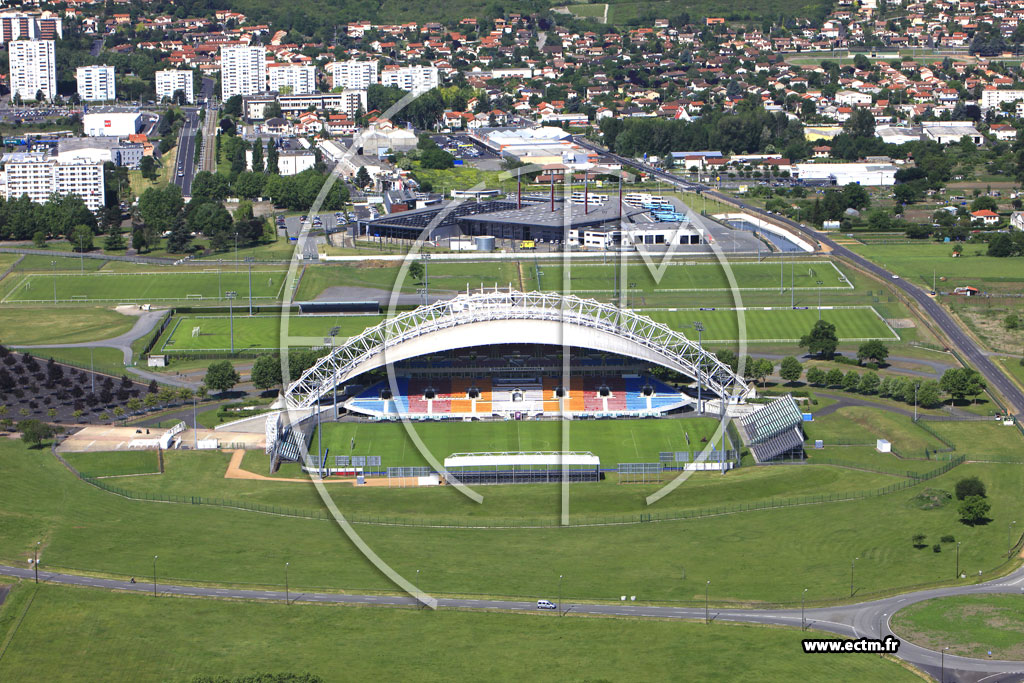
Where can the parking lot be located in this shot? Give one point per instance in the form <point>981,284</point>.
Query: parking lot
<point>462,147</point>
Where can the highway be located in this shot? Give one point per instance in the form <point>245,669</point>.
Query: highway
<point>958,338</point>
<point>861,620</point>
<point>186,152</point>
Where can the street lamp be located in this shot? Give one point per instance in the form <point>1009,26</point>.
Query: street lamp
<point>699,326</point>
<point>1009,548</point>
<point>957,560</point>
<point>819,299</point>
<point>707,587</point>
<point>560,613</point>
<point>249,260</point>
<point>942,675</point>
<point>803,624</point>
<point>236,252</point>
<point>53,264</point>
<point>231,316</point>
<point>154,575</point>
<point>852,563</point>
<point>35,560</point>
<point>287,600</point>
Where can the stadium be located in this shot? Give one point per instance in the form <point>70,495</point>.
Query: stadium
<point>506,355</point>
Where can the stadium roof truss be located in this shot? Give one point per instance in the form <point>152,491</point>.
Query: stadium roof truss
<point>505,317</point>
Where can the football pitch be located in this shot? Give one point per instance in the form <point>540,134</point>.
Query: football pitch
<point>260,332</point>
<point>721,325</point>
<point>147,287</point>
<point>689,276</point>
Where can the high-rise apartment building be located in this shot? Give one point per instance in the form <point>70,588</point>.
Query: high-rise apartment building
<point>95,83</point>
<point>33,69</point>
<point>243,70</point>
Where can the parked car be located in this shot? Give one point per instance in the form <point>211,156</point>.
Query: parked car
<point>546,604</point>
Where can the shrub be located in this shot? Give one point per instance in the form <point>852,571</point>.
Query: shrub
<point>948,538</point>
<point>936,548</point>
<point>970,486</point>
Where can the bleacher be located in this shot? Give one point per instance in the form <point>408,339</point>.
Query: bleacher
<point>774,430</point>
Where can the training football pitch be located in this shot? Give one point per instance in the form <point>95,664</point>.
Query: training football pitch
<point>147,287</point>
<point>721,325</point>
<point>690,276</point>
<point>260,332</point>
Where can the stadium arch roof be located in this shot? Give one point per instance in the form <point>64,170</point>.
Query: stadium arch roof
<point>511,317</point>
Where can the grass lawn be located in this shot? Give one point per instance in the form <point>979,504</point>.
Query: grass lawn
<point>84,631</point>
<point>917,263</point>
<point>259,332</point>
<point>43,263</point>
<point>970,625</point>
<point>151,286</point>
<point>782,325</point>
<point>759,556</point>
<point>114,463</point>
<point>165,165</point>
<point>382,275</point>
<point>103,359</point>
<point>8,260</point>
<point>981,439</point>
<point>861,425</point>
<point>25,325</point>
<point>195,474</point>
<point>869,458</point>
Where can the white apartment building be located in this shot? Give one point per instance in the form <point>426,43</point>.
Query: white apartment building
<point>33,69</point>
<point>991,99</point>
<point>170,80</point>
<point>95,83</point>
<point>243,70</point>
<point>21,26</point>
<point>292,79</point>
<point>353,74</point>
<point>39,177</point>
<point>416,79</point>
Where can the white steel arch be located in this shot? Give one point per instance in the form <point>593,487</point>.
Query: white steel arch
<point>513,317</point>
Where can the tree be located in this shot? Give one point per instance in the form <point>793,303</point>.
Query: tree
<point>233,105</point>
<point>851,381</point>
<point>955,382</point>
<point>362,177</point>
<point>272,159</point>
<point>873,350</point>
<point>928,394</point>
<point>869,383</point>
<point>974,510</point>
<point>1011,322</point>
<point>33,432</point>
<point>160,207</point>
<point>416,271</point>
<point>257,156</point>
<point>821,340</point>
<point>759,368</point>
<point>970,486</point>
<point>114,241</point>
<point>266,372</point>
<point>148,167</point>
<point>918,540</point>
<point>790,369</point>
<point>220,376</point>
<point>81,238</point>
<point>816,376</point>
<point>834,377</point>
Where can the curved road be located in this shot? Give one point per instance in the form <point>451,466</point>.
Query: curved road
<point>863,620</point>
<point>977,357</point>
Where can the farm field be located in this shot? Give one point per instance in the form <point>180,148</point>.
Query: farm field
<point>145,287</point>
<point>987,626</point>
<point>86,528</point>
<point>257,332</point>
<point>26,325</point>
<point>84,630</point>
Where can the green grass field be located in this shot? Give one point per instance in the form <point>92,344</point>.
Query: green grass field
<point>758,555</point>
<point>918,262</point>
<point>26,325</point>
<point>698,275</point>
<point>114,463</point>
<point>986,626</point>
<point>782,325</point>
<point>79,633</point>
<point>152,286</point>
<point>382,275</point>
<point>258,332</point>
<point>103,359</point>
<point>861,425</point>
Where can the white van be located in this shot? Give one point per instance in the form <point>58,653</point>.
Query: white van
<point>545,604</point>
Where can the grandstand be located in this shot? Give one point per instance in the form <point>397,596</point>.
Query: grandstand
<point>507,355</point>
<point>774,431</point>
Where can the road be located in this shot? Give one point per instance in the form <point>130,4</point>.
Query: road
<point>861,620</point>
<point>186,152</point>
<point>958,338</point>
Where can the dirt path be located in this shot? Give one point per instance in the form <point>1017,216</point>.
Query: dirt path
<point>235,471</point>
